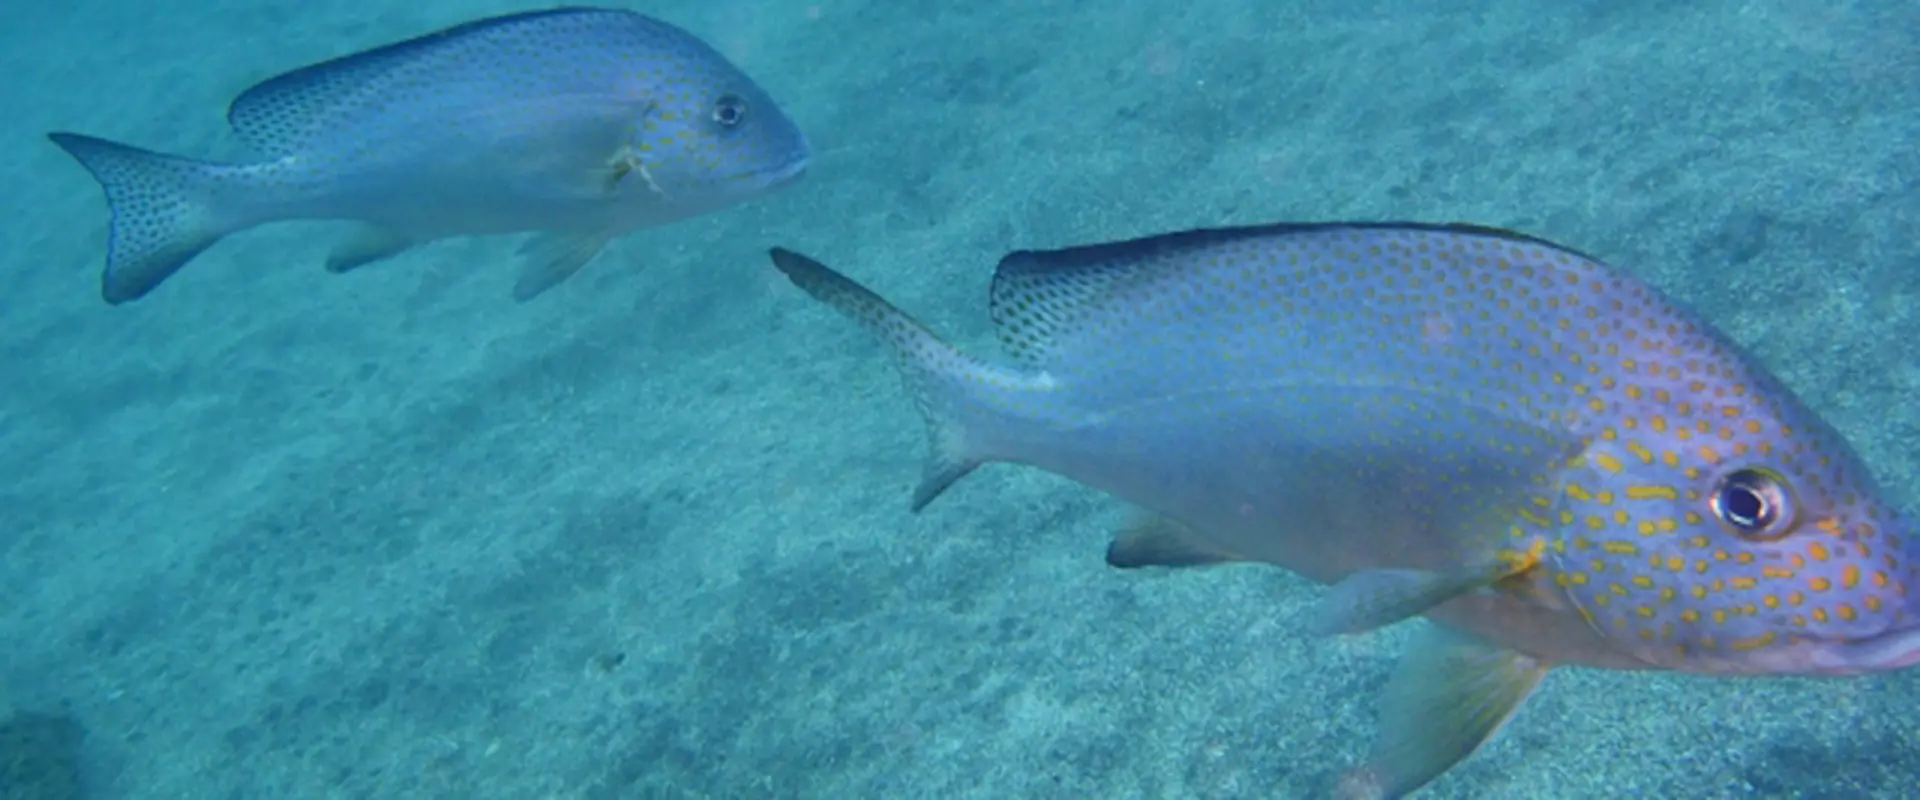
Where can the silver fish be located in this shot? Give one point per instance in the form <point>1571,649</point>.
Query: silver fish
<point>580,124</point>
<point>1538,453</point>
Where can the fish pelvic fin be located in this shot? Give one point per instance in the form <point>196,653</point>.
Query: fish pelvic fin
<point>548,260</point>
<point>368,244</point>
<point>946,384</point>
<point>1155,541</point>
<point>164,211</point>
<point>1449,695</point>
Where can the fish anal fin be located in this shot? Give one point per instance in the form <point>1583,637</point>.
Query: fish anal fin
<point>547,260</point>
<point>1449,695</point>
<point>1154,541</point>
<point>948,461</point>
<point>368,244</point>
<point>1375,598</point>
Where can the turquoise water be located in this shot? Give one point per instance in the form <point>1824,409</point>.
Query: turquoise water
<point>271,532</point>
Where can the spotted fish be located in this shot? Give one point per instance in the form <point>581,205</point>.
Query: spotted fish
<point>1536,452</point>
<point>579,124</point>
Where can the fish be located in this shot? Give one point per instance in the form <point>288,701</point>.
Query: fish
<point>1550,462</point>
<point>576,125</point>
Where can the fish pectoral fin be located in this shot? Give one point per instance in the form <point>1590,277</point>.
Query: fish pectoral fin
<point>1376,598</point>
<point>547,260</point>
<point>625,164</point>
<point>1155,541</point>
<point>367,244</point>
<point>1450,693</point>
<point>628,161</point>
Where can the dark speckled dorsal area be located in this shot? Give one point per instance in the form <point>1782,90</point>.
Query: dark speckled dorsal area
<point>1036,293</point>
<point>282,114</point>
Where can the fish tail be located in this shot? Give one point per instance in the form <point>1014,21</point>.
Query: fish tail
<point>948,385</point>
<point>163,209</point>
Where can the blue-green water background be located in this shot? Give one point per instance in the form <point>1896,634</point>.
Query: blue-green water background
<point>272,533</point>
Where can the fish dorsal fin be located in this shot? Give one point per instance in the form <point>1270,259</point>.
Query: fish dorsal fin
<point>1044,302</point>
<point>284,114</point>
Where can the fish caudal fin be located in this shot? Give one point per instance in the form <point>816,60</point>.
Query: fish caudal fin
<point>935,372</point>
<point>1449,695</point>
<point>162,207</point>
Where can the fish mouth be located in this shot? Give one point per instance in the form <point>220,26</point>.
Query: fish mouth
<point>794,167</point>
<point>1896,649</point>
<point>786,171</point>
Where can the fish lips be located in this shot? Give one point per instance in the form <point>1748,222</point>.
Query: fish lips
<point>757,181</point>
<point>792,170</point>
<point>1895,649</point>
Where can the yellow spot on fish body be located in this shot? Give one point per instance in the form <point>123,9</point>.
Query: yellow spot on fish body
<point>1652,492</point>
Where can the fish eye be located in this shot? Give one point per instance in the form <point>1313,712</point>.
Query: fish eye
<point>729,111</point>
<point>1754,504</point>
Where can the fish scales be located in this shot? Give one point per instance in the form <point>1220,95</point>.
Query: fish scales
<point>576,124</point>
<point>1542,454</point>
<point>1447,325</point>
